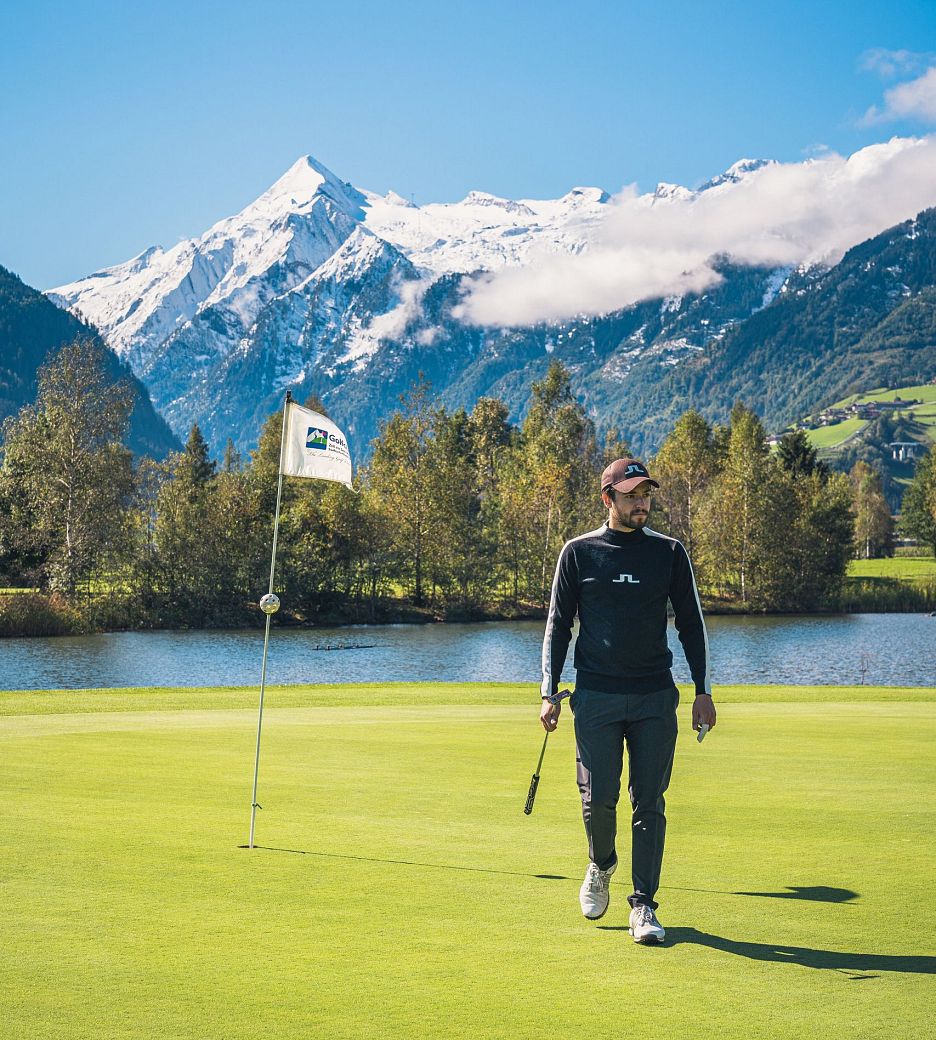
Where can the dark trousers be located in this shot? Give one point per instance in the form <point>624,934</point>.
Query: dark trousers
<point>604,722</point>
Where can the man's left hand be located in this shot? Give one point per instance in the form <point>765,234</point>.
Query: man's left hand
<point>703,711</point>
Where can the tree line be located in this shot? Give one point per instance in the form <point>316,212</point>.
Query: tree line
<point>459,514</point>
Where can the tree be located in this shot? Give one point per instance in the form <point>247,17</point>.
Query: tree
<point>232,461</point>
<point>490,433</point>
<point>195,467</point>
<point>874,526</point>
<point>401,479</point>
<point>186,536</point>
<point>797,455</point>
<point>559,449</point>
<point>810,524</point>
<point>735,533</point>
<point>66,473</point>
<point>918,519</point>
<point>685,466</point>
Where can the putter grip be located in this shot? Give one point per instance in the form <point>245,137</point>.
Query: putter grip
<point>531,794</point>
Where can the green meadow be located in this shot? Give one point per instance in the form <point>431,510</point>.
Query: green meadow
<point>924,413</point>
<point>903,568</point>
<point>833,435</point>
<point>400,892</point>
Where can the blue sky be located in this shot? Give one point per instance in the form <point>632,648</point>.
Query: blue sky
<point>126,125</point>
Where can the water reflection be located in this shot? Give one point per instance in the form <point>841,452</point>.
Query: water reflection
<point>891,649</point>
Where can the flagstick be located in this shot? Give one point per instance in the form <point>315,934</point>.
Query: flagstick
<point>266,634</point>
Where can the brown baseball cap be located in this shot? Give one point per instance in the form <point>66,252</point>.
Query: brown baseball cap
<point>624,475</point>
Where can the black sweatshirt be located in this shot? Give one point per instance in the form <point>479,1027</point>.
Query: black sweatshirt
<point>618,583</point>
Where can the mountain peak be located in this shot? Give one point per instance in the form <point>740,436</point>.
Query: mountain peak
<point>665,190</point>
<point>580,196</point>
<point>392,198</point>
<point>483,198</point>
<point>305,180</point>
<point>737,171</point>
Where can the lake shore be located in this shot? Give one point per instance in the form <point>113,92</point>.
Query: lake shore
<point>30,613</point>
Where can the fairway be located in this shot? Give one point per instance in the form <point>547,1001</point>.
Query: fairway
<point>401,892</point>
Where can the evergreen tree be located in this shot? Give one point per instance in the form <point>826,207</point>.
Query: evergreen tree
<point>798,457</point>
<point>808,527</point>
<point>194,467</point>
<point>232,461</point>
<point>184,567</point>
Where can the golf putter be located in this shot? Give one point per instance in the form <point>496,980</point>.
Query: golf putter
<point>534,783</point>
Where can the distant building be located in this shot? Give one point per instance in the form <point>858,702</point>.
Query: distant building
<point>903,451</point>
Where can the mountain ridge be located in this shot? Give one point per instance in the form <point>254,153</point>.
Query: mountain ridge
<point>349,294</point>
<point>31,330</point>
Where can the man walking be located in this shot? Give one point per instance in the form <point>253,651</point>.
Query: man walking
<point>618,580</point>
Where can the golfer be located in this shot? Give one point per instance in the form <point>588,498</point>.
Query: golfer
<point>618,580</point>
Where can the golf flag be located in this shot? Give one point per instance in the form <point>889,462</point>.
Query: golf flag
<point>313,446</point>
<point>310,446</point>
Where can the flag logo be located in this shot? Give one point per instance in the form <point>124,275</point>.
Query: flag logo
<point>317,438</point>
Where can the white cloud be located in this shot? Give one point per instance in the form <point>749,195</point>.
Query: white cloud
<point>779,215</point>
<point>426,337</point>
<point>393,324</point>
<point>889,63</point>
<point>913,100</point>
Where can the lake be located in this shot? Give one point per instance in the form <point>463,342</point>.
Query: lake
<point>883,649</point>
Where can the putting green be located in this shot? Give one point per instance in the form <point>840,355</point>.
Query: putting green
<point>401,892</point>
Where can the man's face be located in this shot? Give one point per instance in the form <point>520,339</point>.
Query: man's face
<point>630,510</point>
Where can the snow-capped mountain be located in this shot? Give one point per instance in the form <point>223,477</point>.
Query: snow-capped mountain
<point>235,268</point>
<point>323,287</point>
<point>319,285</point>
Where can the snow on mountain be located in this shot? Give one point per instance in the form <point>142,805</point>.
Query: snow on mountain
<point>736,172</point>
<point>243,262</point>
<point>484,232</point>
<point>239,264</point>
<point>329,289</point>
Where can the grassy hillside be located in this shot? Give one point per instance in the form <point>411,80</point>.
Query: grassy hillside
<point>836,434</point>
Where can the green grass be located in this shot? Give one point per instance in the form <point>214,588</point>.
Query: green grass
<point>905,568</point>
<point>924,413</point>
<point>828,437</point>
<point>402,893</point>
<point>925,392</point>
<point>832,436</point>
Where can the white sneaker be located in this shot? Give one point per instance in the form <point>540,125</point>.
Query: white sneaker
<point>644,926</point>
<point>594,895</point>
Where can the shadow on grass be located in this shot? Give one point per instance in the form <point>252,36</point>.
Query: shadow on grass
<point>814,893</point>
<point>829,960</point>
<point>410,863</point>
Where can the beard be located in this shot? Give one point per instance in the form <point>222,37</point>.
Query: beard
<point>632,522</point>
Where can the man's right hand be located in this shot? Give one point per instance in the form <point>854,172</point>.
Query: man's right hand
<point>549,715</point>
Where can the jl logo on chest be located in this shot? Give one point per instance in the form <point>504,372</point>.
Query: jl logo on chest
<point>628,579</point>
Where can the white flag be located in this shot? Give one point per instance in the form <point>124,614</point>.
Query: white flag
<point>315,447</point>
